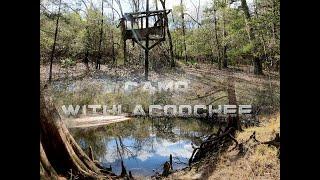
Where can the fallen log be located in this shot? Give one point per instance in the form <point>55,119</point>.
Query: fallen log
<point>274,142</point>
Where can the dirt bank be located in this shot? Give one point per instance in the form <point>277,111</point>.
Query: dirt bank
<point>259,162</point>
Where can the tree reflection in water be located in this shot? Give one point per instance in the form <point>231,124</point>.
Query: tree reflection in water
<point>144,144</point>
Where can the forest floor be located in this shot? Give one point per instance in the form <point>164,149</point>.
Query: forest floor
<point>260,162</point>
<point>133,72</point>
<point>207,84</point>
<point>203,79</point>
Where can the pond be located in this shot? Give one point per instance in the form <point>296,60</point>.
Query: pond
<point>144,144</point>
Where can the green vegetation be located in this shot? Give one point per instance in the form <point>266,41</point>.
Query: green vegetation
<point>222,35</point>
<point>227,50</point>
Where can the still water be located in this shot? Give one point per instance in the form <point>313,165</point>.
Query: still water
<point>144,145</point>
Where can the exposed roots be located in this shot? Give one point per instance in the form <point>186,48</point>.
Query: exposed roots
<point>213,143</point>
<point>60,155</point>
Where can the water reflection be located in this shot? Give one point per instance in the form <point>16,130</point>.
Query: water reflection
<point>144,144</point>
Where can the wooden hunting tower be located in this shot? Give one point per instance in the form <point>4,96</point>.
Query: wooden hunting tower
<point>144,27</point>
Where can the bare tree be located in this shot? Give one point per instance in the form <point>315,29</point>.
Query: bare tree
<point>54,42</point>
<point>135,5</point>
<point>197,8</point>
<point>113,10</point>
<point>120,7</point>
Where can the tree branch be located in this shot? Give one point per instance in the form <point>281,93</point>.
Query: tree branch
<point>193,19</point>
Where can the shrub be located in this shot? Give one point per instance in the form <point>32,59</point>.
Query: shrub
<point>67,62</point>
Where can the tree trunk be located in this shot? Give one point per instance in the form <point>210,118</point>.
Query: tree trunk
<point>216,36</point>
<point>256,59</point>
<point>274,30</point>
<point>124,43</point>
<point>225,58</point>
<point>156,4</point>
<point>163,3</point>
<point>146,56</point>
<point>233,121</point>
<point>123,28</point>
<point>125,57</point>
<point>60,155</point>
<point>183,32</point>
<point>54,43</point>
<point>112,39</point>
<point>87,48</point>
<point>46,169</point>
<point>98,61</point>
<point>86,60</point>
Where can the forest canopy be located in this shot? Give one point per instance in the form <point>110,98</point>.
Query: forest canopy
<point>223,32</point>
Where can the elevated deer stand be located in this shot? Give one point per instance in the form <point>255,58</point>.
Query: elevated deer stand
<point>144,26</point>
